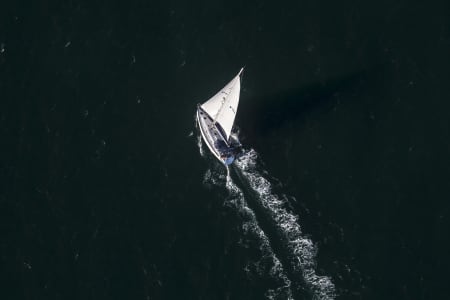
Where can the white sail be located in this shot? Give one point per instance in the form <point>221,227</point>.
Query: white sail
<point>222,107</point>
<point>227,113</point>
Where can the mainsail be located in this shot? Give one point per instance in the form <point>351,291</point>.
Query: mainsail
<point>222,107</point>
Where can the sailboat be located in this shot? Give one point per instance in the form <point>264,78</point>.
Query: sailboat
<point>215,118</point>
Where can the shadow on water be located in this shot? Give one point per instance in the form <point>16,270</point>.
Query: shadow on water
<point>265,113</point>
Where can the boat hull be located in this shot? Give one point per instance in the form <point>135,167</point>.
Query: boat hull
<point>214,139</point>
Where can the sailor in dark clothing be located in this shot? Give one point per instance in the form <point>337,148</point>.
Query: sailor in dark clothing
<point>228,153</point>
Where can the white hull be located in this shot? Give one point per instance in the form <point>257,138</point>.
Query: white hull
<point>207,139</point>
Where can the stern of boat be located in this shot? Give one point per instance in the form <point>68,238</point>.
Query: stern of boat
<point>229,160</point>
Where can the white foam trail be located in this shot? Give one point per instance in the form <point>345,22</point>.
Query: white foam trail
<point>200,142</point>
<point>252,230</point>
<point>301,249</point>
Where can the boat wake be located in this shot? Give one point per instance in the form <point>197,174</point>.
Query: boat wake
<point>297,268</point>
<point>300,250</point>
<point>267,265</point>
<point>199,140</point>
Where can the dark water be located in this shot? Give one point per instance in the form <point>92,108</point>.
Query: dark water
<point>344,113</point>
